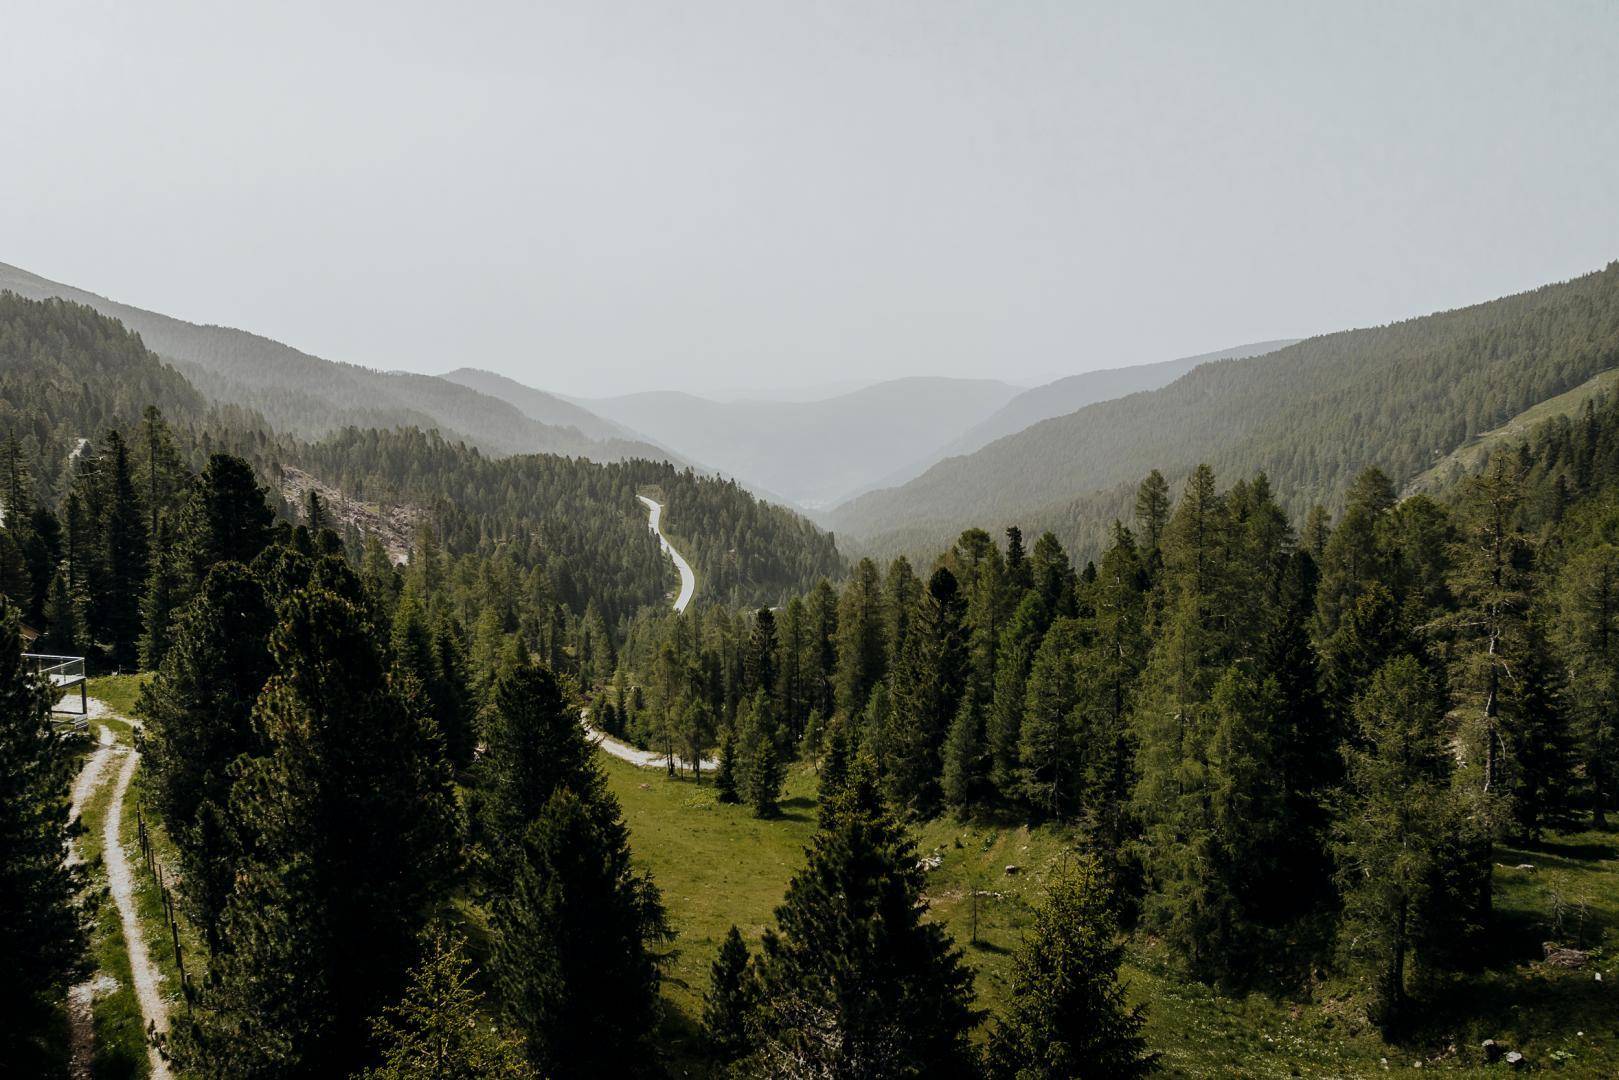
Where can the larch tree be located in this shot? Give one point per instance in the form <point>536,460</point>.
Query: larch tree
<point>1391,830</point>
<point>439,1030</point>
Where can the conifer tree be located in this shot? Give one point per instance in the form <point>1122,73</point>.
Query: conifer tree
<point>726,780</point>
<point>1018,574</point>
<point>1488,639</point>
<point>535,746</point>
<point>823,646</point>
<point>198,710</point>
<point>438,1031</point>
<point>1586,632</point>
<point>64,619</point>
<point>729,1004</point>
<point>1152,511</point>
<point>1391,831</point>
<point>1068,1018</point>
<point>860,645</point>
<point>763,772</point>
<point>696,733</point>
<point>1053,578</point>
<point>1356,554</point>
<point>1109,662</point>
<point>966,758</point>
<point>1019,640</point>
<point>158,605</point>
<point>43,934</point>
<point>902,608</point>
<point>762,662</point>
<point>1048,765</point>
<point>927,690</point>
<point>125,550</point>
<point>853,981</point>
<point>574,935</point>
<point>353,833</point>
<point>225,518</point>
<point>834,770</point>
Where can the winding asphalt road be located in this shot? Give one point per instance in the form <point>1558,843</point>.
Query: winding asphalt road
<point>651,759</point>
<point>688,580</point>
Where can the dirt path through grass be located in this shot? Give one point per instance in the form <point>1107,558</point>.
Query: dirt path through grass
<point>121,883</point>
<point>81,998</point>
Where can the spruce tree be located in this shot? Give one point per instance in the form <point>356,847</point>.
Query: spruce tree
<point>574,934</point>
<point>43,928</point>
<point>535,746</point>
<point>438,1030</point>
<point>729,1004</point>
<point>853,981</point>
<point>1068,1019</point>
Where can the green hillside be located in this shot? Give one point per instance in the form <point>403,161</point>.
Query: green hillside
<point>1311,416</point>
<point>309,396</point>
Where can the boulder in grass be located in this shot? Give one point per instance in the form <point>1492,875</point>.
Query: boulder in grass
<point>1514,1060</point>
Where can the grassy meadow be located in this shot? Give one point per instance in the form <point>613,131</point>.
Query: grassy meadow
<point>718,865</point>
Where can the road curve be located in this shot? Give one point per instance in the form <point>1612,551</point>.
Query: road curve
<point>651,759</point>
<point>688,580</point>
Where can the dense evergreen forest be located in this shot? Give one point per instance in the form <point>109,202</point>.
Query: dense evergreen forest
<point>557,545</point>
<point>1286,747</point>
<point>1281,746</point>
<point>1311,417</point>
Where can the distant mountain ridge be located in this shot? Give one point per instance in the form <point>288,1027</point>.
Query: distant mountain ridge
<point>813,453</point>
<point>309,396</point>
<point>1066,395</point>
<point>1069,394</point>
<point>1311,415</point>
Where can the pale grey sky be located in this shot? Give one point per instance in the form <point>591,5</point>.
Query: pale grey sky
<point>600,197</point>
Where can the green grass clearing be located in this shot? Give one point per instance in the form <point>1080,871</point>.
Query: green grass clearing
<point>718,865</point>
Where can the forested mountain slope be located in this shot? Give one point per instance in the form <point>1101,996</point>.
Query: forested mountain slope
<point>309,396</point>
<point>571,527</point>
<point>814,452</point>
<point>1064,396</point>
<point>1311,415</point>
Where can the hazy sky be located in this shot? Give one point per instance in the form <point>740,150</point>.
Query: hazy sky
<point>599,197</point>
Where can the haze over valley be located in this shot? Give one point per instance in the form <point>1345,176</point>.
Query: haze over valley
<point>982,542</point>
